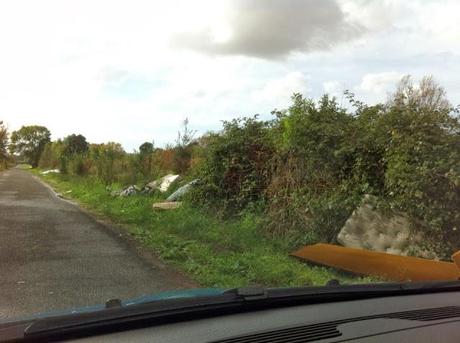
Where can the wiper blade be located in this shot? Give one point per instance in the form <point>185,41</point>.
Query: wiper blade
<point>231,301</point>
<point>337,291</point>
<point>138,315</point>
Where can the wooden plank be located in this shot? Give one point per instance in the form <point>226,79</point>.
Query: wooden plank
<point>382,265</point>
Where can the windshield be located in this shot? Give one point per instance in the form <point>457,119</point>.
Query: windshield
<point>162,149</point>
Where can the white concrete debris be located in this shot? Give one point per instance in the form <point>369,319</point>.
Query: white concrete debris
<point>180,192</point>
<point>125,192</point>
<point>367,228</point>
<point>128,191</point>
<point>163,183</point>
<point>56,171</point>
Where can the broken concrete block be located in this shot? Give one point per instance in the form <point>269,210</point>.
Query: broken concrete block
<point>167,205</point>
<point>163,183</point>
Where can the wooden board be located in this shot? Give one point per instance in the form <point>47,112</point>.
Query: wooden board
<point>385,266</point>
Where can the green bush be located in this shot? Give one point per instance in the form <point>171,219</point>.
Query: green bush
<point>313,189</point>
<point>235,172</point>
<point>422,158</point>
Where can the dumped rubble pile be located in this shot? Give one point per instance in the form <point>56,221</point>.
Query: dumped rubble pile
<point>381,244</point>
<point>161,185</point>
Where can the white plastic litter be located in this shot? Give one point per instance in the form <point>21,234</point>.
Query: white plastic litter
<point>56,171</point>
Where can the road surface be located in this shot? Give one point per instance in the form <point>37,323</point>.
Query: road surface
<point>54,256</point>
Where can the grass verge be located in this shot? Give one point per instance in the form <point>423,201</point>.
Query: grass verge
<point>213,252</point>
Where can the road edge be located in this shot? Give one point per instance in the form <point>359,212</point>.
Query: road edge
<point>123,233</point>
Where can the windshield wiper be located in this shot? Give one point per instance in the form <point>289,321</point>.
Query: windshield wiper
<point>232,301</point>
<point>337,292</point>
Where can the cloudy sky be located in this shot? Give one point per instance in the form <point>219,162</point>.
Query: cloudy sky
<point>132,71</point>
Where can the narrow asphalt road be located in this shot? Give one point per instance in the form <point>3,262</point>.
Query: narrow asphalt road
<point>53,256</point>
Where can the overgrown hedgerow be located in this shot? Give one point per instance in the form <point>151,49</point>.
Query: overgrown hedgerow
<point>309,167</point>
<point>306,169</point>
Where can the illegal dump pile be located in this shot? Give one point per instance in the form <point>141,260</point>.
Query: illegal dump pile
<point>380,244</point>
<point>161,185</point>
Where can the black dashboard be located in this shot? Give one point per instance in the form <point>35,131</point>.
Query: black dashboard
<point>433,317</point>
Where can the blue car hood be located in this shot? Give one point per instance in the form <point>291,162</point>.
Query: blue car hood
<point>187,293</point>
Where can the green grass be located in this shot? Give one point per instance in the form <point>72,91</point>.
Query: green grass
<point>213,252</point>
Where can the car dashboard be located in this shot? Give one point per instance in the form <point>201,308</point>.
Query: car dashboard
<point>433,317</point>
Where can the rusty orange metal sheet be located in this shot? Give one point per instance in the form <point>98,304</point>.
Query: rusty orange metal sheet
<point>386,266</point>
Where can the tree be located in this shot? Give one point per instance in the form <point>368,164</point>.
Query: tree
<point>72,157</point>
<point>427,97</point>
<point>105,156</point>
<point>51,157</point>
<point>183,149</point>
<point>29,142</point>
<point>146,148</point>
<point>185,137</point>
<point>422,154</point>
<point>3,144</point>
<point>143,164</point>
<point>75,144</point>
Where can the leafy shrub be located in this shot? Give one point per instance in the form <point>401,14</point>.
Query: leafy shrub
<point>423,159</point>
<point>313,190</point>
<point>235,172</point>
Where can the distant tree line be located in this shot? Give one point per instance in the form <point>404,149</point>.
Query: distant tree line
<point>110,163</point>
<point>3,146</point>
<point>29,142</point>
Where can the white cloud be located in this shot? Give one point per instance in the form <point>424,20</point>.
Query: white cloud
<point>278,92</point>
<point>273,28</point>
<point>334,88</point>
<point>110,71</point>
<point>421,25</point>
<point>376,14</point>
<point>377,86</point>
